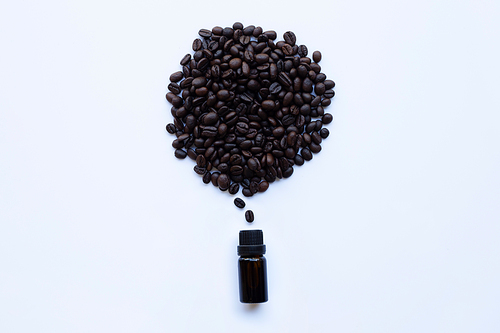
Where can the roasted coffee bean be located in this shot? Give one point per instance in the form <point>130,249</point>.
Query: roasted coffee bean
<point>247,111</point>
<point>199,170</point>
<point>210,118</point>
<point>287,49</point>
<point>201,161</point>
<point>315,148</point>
<point>327,118</point>
<point>316,137</point>
<point>249,216</point>
<point>176,77</point>
<point>185,60</point>
<point>170,128</point>
<point>329,84</point>
<point>238,202</point>
<point>205,33</point>
<point>306,154</point>
<point>197,44</point>
<point>234,188</point>
<point>289,38</point>
<point>223,181</point>
<point>192,154</point>
<point>215,178</point>
<point>207,177</point>
<point>329,94</point>
<point>261,58</point>
<point>199,82</point>
<point>317,56</point>
<point>263,186</point>
<point>246,192</point>
<point>180,154</point>
<point>302,51</point>
<point>298,160</point>
<point>174,87</point>
<point>284,79</point>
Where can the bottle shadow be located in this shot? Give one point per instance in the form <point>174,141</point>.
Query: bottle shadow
<point>251,307</point>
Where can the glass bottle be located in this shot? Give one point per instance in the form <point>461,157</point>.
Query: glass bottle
<point>252,270</point>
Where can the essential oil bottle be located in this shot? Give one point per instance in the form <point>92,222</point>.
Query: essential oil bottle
<point>252,269</point>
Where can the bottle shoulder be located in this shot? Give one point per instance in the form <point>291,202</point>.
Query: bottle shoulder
<point>252,258</point>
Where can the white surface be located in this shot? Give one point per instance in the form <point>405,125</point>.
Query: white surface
<point>393,227</point>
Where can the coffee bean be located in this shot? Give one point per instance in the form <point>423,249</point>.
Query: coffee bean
<point>261,58</point>
<point>298,160</point>
<point>302,51</point>
<point>199,170</point>
<point>249,216</point>
<point>317,56</point>
<point>174,87</point>
<point>176,77</point>
<point>223,94</point>
<point>201,161</point>
<point>185,60</point>
<point>257,31</point>
<point>205,33</point>
<point>170,128</point>
<point>324,133</point>
<point>254,187</point>
<point>329,84</point>
<point>215,178</point>
<point>217,30</point>
<point>199,82</point>
<point>327,118</point>
<point>210,118</point>
<point>315,148</point>
<point>306,154</point>
<point>235,63</point>
<point>180,154</point>
<point>263,186</point>
<point>247,31</point>
<point>223,181</point>
<point>287,49</point>
<point>316,137</point>
<point>192,154</point>
<point>207,177</point>
<point>247,192</point>
<point>284,79</point>
<point>234,188</point>
<point>289,38</point>
<point>271,34</point>
<point>197,45</point>
<point>239,203</point>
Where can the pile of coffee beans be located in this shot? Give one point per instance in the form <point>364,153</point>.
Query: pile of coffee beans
<point>248,109</point>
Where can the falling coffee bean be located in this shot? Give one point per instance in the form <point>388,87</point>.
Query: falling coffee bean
<point>249,216</point>
<point>239,203</point>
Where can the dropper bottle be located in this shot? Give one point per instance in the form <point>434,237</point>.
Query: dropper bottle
<point>252,269</point>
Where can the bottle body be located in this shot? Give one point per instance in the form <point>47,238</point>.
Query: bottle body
<point>252,273</point>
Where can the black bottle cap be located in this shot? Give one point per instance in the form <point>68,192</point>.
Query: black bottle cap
<point>251,242</point>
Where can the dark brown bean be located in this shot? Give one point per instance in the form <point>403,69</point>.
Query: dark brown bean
<point>207,177</point>
<point>317,56</point>
<point>176,77</point>
<point>327,118</point>
<point>249,216</point>
<point>180,154</point>
<point>205,33</point>
<point>289,38</point>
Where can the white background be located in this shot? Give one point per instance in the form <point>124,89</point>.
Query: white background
<point>393,227</point>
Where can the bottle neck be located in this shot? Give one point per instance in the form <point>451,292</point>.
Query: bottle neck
<point>251,255</point>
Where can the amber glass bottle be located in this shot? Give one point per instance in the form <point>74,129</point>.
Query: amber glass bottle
<point>252,269</point>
